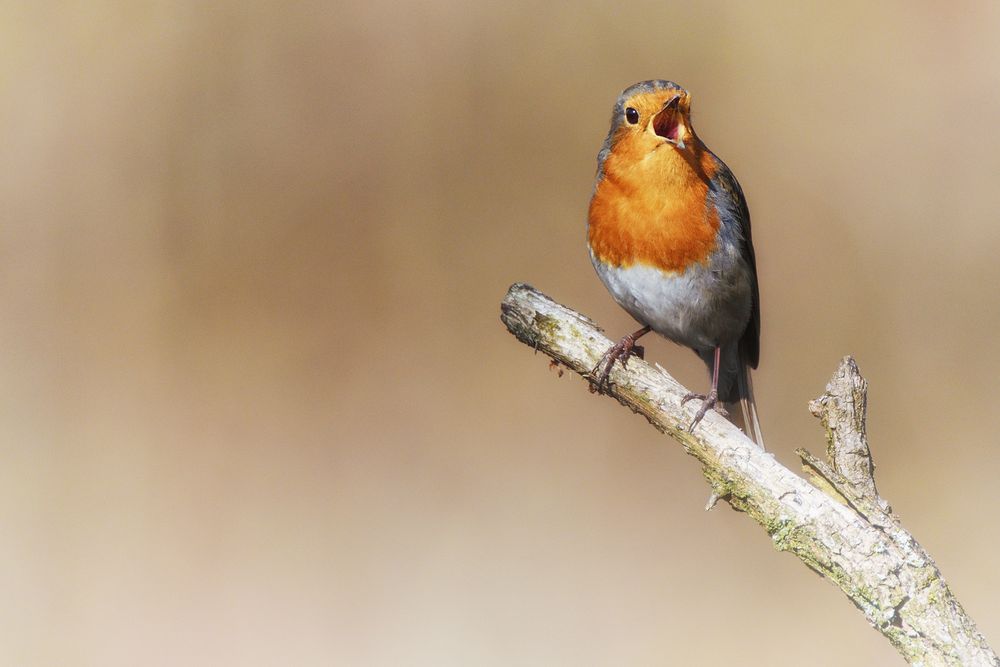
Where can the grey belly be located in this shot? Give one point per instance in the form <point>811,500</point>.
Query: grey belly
<point>702,307</point>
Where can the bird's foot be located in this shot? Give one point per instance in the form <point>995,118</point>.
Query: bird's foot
<point>623,349</point>
<point>709,402</point>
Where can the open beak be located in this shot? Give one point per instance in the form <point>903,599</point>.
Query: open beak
<point>668,121</point>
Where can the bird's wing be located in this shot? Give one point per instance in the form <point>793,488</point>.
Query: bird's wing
<point>734,204</point>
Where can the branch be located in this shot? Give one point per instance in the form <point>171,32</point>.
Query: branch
<point>841,528</point>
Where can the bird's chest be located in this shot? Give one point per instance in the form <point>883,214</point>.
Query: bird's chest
<point>645,217</point>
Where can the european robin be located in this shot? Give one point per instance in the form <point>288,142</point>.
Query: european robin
<point>669,235</point>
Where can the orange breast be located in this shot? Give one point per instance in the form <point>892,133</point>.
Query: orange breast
<point>652,209</point>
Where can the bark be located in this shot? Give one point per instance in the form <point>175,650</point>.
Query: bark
<point>838,526</point>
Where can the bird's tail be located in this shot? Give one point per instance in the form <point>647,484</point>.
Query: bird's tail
<point>744,412</point>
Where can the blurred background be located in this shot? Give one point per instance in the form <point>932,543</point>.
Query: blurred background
<point>256,404</point>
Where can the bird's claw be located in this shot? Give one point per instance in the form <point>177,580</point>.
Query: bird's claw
<point>621,350</point>
<point>709,402</point>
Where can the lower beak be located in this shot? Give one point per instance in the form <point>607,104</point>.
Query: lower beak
<point>668,121</point>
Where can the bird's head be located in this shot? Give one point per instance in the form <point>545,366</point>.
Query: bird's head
<point>650,116</point>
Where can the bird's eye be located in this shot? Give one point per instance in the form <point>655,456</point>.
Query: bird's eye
<point>631,115</point>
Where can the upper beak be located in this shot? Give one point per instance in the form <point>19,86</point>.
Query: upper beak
<point>668,120</point>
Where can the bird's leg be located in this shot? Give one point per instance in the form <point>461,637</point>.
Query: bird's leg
<point>620,350</point>
<point>712,399</point>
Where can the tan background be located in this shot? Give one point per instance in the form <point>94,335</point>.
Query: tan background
<point>257,408</point>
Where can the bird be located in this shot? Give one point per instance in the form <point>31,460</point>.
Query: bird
<point>668,229</point>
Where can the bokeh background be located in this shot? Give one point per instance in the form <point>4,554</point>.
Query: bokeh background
<point>256,405</point>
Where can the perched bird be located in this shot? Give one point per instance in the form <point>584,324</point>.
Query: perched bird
<point>669,234</point>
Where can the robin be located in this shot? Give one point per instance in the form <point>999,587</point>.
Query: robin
<point>669,235</point>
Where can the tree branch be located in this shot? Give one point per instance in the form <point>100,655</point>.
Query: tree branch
<point>841,528</point>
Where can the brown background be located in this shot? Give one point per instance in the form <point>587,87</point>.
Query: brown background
<point>257,408</point>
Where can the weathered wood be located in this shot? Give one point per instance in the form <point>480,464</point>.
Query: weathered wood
<point>840,528</point>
